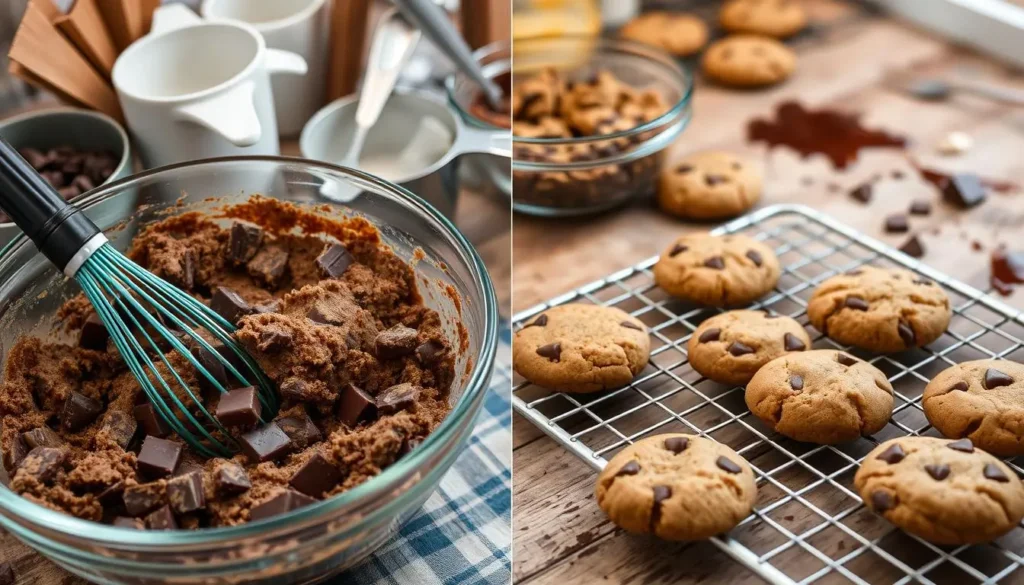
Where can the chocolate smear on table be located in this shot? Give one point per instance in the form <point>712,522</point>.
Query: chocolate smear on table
<point>1007,269</point>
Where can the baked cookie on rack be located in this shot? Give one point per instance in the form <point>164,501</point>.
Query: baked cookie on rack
<point>982,400</point>
<point>772,18</point>
<point>677,33</point>
<point>677,487</point>
<point>882,310</point>
<point>719,271</point>
<point>709,185</point>
<point>581,348</point>
<point>821,396</point>
<point>749,61</point>
<point>731,347</point>
<point>946,492</point>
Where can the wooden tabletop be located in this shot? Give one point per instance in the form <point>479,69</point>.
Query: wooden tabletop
<point>559,534</point>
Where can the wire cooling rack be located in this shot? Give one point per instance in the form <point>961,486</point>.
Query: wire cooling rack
<point>809,525</point>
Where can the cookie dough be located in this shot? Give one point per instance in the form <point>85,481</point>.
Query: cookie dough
<point>677,487</point>
<point>882,310</point>
<point>946,492</point>
<point>731,347</point>
<point>581,348</point>
<point>680,34</point>
<point>773,18</point>
<point>719,271</point>
<point>749,61</point>
<point>982,400</point>
<point>821,396</point>
<point>709,185</point>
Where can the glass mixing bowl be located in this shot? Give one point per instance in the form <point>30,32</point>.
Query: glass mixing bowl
<point>316,541</point>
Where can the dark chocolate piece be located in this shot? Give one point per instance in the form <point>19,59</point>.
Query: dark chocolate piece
<point>961,386</point>
<point>244,242</point>
<point>897,224</point>
<point>738,349</point>
<point>355,406</point>
<point>938,472</point>
<point>396,342</point>
<point>334,261</point>
<point>728,465</point>
<point>660,494</point>
<point>755,257</point>
<point>266,443</point>
<point>630,468</point>
<point>130,523</point>
<point>42,437</point>
<point>893,454</point>
<point>273,340</point>
<point>882,501</point>
<point>317,316</point>
<point>14,455</point>
<point>7,574</point>
<point>921,207</point>
<point>863,193</point>
<point>185,493</point>
<point>239,408</point>
<point>993,472</point>
<point>43,463</point>
<point>677,249</point>
<point>140,499</point>
<point>159,457</point>
<point>856,303</point>
<point>631,325</point>
<point>300,430</point>
<point>161,519</point>
<point>540,321</point>
<point>710,335</point>
<point>430,352</point>
<point>963,445</point>
<point>793,343</point>
<point>229,304</point>
<point>231,479</point>
<point>906,333</point>
<point>79,412</point>
<point>315,477</point>
<point>151,422</point>
<point>846,360</point>
<point>913,247</point>
<point>398,397</point>
<point>677,444</point>
<point>269,265</point>
<point>965,190</point>
<point>716,262</point>
<point>552,351</point>
<point>94,334</point>
<point>212,364</point>
<point>112,494</point>
<point>283,502</point>
<point>796,382</point>
<point>120,427</point>
<point>995,379</point>
<point>294,389</point>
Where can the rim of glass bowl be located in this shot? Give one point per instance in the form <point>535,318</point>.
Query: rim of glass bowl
<point>671,123</point>
<point>480,54</point>
<point>369,491</point>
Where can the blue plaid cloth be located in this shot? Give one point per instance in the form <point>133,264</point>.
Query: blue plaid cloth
<point>463,534</point>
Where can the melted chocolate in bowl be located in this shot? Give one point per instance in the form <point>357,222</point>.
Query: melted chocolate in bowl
<point>482,110</point>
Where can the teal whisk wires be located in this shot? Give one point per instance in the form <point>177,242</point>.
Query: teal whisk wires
<point>138,309</point>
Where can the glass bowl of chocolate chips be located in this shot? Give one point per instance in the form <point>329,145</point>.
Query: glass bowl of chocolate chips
<point>375,320</point>
<point>590,119</point>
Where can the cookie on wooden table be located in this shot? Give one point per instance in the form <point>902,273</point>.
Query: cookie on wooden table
<point>946,492</point>
<point>749,61</point>
<point>731,347</point>
<point>719,271</point>
<point>821,396</point>
<point>878,309</point>
<point>677,33</point>
<point>581,348</point>
<point>773,18</point>
<point>709,185</point>
<point>982,400</point>
<point>677,487</point>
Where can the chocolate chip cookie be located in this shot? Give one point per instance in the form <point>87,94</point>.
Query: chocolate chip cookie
<point>718,271</point>
<point>821,396</point>
<point>946,492</point>
<point>773,18</point>
<point>677,487</point>
<point>678,33</point>
<point>883,310</point>
<point>709,185</point>
<point>982,400</point>
<point>749,61</point>
<point>731,347</point>
<point>581,348</point>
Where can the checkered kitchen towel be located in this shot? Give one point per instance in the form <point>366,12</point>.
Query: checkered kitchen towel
<point>463,534</point>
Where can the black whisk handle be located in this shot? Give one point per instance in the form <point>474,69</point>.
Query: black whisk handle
<point>58,229</point>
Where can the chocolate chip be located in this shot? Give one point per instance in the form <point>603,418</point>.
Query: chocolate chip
<point>796,382</point>
<point>79,411</point>
<point>993,472</point>
<point>355,406</point>
<point>398,397</point>
<point>923,282</point>
<point>856,303</point>
<point>231,479</point>
<point>126,522</point>
<point>660,494</point>
<point>896,224</point>
<point>921,207</point>
<point>964,190</point>
<point>274,340</point>
<point>630,468</point>
<point>727,465</point>
<point>677,249</point>
<point>229,304</point>
<point>43,463</point>
<point>294,389</point>
<point>159,457</point>
<point>906,334</point>
<point>540,321</point>
<point>863,192</point>
<point>713,180</point>
<point>712,334</point>
<point>396,342</point>
<point>15,454</point>
<point>94,334</point>
<point>716,262</point>
<point>882,501</point>
<point>7,574</point>
<point>334,261</point>
<point>185,493</point>
<point>893,454</point>
<point>430,352</point>
<point>963,445</point>
<point>239,408</point>
<point>244,242</point>
<point>269,265</point>
<point>318,316</point>
<point>995,379</point>
<point>737,349</point>
<point>677,444</point>
<point>42,437</point>
<point>755,257</point>
<point>213,366</point>
<point>846,360</point>
<point>938,472</point>
<point>142,498</point>
<point>266,443</point>
<point>552,351</point>
<point>120,427</point>
<point>913,247</point>
<point>793,343</point>
<point>961,386</point>
<point>315,477</point>
<point>631,325</point>
<point>161,519</point>
<point>150,421</point>
<point>283,502</point>
<point>300,430</point>
<point>683,169</point>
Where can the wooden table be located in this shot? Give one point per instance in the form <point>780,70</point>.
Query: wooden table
<point>560,535</point>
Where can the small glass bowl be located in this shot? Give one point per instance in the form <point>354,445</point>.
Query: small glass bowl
<point>618,166</point>
<point>319,540</point>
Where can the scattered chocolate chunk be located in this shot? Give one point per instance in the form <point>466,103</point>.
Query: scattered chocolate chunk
<point>737,349</point>
<point>631,325</point>
<point>906,333</point>
<point>896,174</point>
<point>79,411</point>
<point>846,360</point>
<point>965,190</point>
<point>126,522</point>
<point>229,304</point>
<point>398,397</point>
<point>713,180</point>
<point>185,493</point>
<point>266,443</point>
<point>540,321</point>
<point>112,494</point>
<point>938,471</point>
<point>244,242</point>
<point>239,408</point>
<point>712,334</point>
<point>755,257</point>
<point>661,493</point>
<point>141,499</point>
<point>913,247</point>
<point>863,192</point>
<point>684,168</point>
<point>430,352</point>
<point>94,334</point>
<point>294,389</point>
<point>897,224</point>
<point>961,386</point>
<point>796,382</point>
<point>120,427</point>
<point>396,342</point>
<point>283,502</point>
<point>269,265</point>
<point>894,454</point>
<point>273,340</point>
<point>856,303</point>
<point>921,207</point>
<point>677,444</point>
<point>727,465</point>
<point>552,351</point>
<point>882,501</point>
<point>15,455</point>
<point>43,463</point>
<point>793,343</point>
<point>993,472</point>
<point>677,250</point>
<point>300,430</point>
<point>995,379</point>
<point>151,423</point>
<point>355,406</point>
<point>42,437</point>
<point>630,468</point>
<point>7,574</point>
<point>334,261</point>
<point>716,262</point>
<point>161,519</point>
<point>231,479</point>
<point>315,477</point>
<point>213,366</point>
<point>963,445</point>
<point>159,457</point>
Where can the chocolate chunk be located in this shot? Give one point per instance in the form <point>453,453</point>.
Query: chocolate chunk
<point>540,321</point>
<point>269,265</point>
<point>396,342</point>
<point>273,340</point>
<point>185,493</point>
<point>630,468</point>
<point>161,519</point>
<point>631,325</point>
<point>793,343</point>
<point>294,389</point>
<point>906,334</point>
<point>897,224</point>
<point>737,349</point>
<point>995,379</point>
<point>112,494</point>
<point>684,168</point>
<point>159,457</point>
<point>229,304</point>
<point>140,499</point>
<point>15,454</point>
<point>355,406</point>
<point>727,465</point>
<point>430,352</point>
<point>660,494</point>
<point>913,247</point>
<point>79,412</point>
<point>552,351</point>
<point>151,422</point>
<point>120,427</point>
<point>398,397</point>
<point>94,334</point>
<point>677,250</point>
<point>882,501</point>
<point>315,477</point>
<point>239,408</point>
<point>963,445</point>
<point>334,260</point>
<point>283,502</point>
<point>677,444</point>
<point>961,386</point>
<point>755,257</point>
<point>318,316</point>
<point>43,463</point>
<point>893,454</point>
<point>796,382</point>
<point>7,574</point>
<point>210,362</point>
<point>266,443</point>
<point>921,207</point>
<point>846,360</point>
<point>863,193</point>
<point>938,472</point>
<point>42,437</point>
<point>712,334</point>
<point>244,242</point>
<point>231,479</point>
<point>713,180</point>
<point>126,522</point>
<point>716,262</point>
<point>993,472</point>
<point>300,430</point>
<point>856,303</point>
<point>964,190</point>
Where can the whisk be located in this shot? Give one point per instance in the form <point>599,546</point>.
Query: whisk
<point>132,303</point>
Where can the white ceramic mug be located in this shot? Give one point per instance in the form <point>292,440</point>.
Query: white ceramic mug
<point>299,26</point>
<point>192,89</point>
